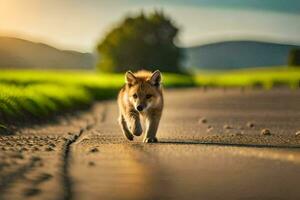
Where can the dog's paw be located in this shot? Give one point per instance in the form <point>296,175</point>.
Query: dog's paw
<point>150,140</point>
<point>137,130</point>
<point>129,137</point>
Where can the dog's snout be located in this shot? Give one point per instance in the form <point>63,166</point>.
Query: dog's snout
<point>140,108</point>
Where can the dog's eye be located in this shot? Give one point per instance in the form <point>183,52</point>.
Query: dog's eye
<point>135,96</point>
<point>148,96</point>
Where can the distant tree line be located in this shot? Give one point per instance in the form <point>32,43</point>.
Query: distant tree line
<point>294,57</point>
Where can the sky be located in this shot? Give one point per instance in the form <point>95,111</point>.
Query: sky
<point>79,25</point>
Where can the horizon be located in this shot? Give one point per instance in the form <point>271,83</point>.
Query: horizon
<point>229,20</point>
<point>191,46</point>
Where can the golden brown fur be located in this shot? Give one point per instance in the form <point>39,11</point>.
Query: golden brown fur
<point>141,100</point>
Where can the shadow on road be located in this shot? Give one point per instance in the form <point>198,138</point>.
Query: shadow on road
<point>228,144</point>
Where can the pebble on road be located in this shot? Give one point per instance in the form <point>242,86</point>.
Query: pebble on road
<point>202,120</point>
<point>265,131</point>
<point>250,124</point>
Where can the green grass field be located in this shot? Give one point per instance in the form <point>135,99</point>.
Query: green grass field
<point>37,94</point>
<point>254,77</point>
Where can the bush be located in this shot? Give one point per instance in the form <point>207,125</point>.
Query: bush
<point>141,42</point>
<point>294,57</point>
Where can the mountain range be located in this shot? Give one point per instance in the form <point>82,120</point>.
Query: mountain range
<point>237,54</point>
<point>20,53</point>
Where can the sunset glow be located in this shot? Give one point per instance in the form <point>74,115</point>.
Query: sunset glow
<point>76,25</point>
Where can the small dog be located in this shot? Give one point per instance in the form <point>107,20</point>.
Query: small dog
<point>141,99</point>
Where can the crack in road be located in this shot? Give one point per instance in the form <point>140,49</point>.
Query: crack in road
<point>66,156</point>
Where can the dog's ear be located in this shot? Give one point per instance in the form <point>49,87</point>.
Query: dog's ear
<point>130,79</point>
<point>156,78</point>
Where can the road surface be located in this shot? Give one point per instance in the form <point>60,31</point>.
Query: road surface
<point>210,147</point>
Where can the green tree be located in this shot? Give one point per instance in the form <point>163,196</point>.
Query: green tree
<point>294,57</point>
<point>141,42</point>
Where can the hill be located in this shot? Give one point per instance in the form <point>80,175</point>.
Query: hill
<point>19,53</point>
<point>237,54</point>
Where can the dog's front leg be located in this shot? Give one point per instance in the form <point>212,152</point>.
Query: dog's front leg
<point>152,123</point>
<point>133,119</point>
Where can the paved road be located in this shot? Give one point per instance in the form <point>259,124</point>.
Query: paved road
<point>210,147</point>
